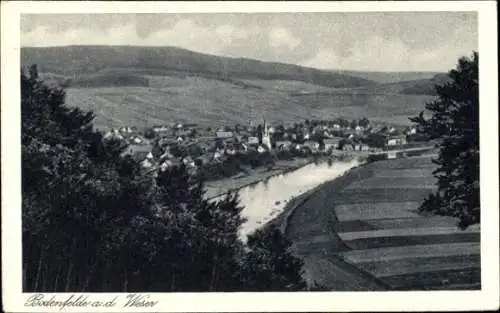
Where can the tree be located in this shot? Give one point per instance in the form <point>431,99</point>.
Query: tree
<point>364,122</point>
<point>454,122</point>
<point>259,133</point>
<point>269,263</point>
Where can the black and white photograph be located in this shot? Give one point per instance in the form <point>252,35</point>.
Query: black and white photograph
<point>299,152</point>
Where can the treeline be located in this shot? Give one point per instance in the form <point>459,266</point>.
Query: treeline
<point>95,222</point>
<point>234,164</point>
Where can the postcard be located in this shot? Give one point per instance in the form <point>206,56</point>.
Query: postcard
<point>249,156</point>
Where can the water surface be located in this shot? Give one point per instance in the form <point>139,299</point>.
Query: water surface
<point>265,200</point>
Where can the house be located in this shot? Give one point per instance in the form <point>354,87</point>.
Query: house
<point>217,155</point>
<point>391,154</point>
<point>332,143</point>
<point>392,141</point>
<point>137,152</point>
<point>202,160</point>
<point>283,144</point>
<point>348,147</point>
<point>166,156</point>
<point>137,140</point>
<point>224,134</point>
<point>148,163</point>
<point>165,164</point>
<point>253,140</point>
<point>127,130</point>
<point>164,142</point>
<point>190,125</point>
<point>243,147</point>
<point>261,149</point>
<point>138,156</point>
<point>364,147</point>
<point>313,145</point>
<point>230,151</point>
<point>113,135</point>
<point>159,129</point>
<point>188,161</point>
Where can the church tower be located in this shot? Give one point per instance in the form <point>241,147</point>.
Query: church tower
<point>266,139</point>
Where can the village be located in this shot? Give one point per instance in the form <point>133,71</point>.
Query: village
<point>224,151</point>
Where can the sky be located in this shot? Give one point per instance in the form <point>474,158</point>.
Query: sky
<point>363,41</point>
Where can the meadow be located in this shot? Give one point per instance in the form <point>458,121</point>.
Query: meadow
<point>216,102</point>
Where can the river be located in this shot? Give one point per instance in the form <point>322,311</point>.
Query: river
<point>266,199</point>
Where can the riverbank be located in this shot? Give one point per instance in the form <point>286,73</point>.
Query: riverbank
<point>217,188</point>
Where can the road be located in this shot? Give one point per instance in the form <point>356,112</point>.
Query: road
<point>414,149</point>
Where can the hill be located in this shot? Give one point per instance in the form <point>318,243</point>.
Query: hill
<point>411,87</point>
<point>391,77</point>
<point>425,86</point>
<point>161,61</point>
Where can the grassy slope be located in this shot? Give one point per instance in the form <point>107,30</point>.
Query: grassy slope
<point>216,102</point>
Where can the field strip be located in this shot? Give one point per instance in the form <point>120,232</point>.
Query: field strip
<point>425,267</point>
<point>381,210</point>
<point>413,251</point>
<point>433,221</point>
<point>472,286</point>
<point>409,172</point>
<point>405,163</point>
<point>393,182</point>
<point>385,268</point>
<point>390,223</point>
<point>399,241</point>
<point>381,195</point>
<point>407,232</point>
<point>424,280</point>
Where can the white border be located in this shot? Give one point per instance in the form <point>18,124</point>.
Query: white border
<point>486,299</point>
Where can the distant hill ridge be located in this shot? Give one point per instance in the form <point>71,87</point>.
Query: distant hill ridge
<point>390,77</point>
<point>79,61</point>
<point>108,66</point>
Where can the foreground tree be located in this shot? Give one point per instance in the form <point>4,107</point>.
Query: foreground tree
<point>455,122</point>
<point>270,265</point>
